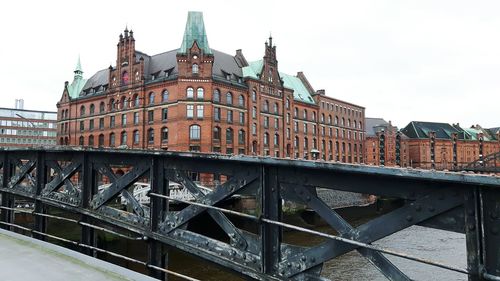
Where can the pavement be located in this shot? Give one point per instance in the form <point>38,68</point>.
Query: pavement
<point>24,258</point>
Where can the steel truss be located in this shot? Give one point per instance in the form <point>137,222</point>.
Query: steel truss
<point>86,182</point>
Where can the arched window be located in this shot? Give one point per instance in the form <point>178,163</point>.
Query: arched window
<point>199,93</point>
<point>287,103</point>
<point>101,140</point>
<point>151,135</point>
<point>266,139</point>
<point>216,135</point>
<point>136,137</point>
<point>229,98</point>
<point>216,96</point>
<point>296,112</point>
<point>112,104</point>
<point>329,119</point>
<point>276,140</point>
<point>314,116</point>
<point>306,144</point>
<point>336,120</point>
<point>164,134</point>
<point>229,136</point>
<point>164,96</point>
<point>194,68</point>
<point>254,95</point>
<point>276,108</point>
<point>123,138</point>
<point>82,110</point>
<point>136,100</point>
<point>91,140</point>
<point>189,93</point>
<point>360,125</point>
<point>305,114</point>
<point>348,122</point>
<point>322,118</point>
<point>92,109</point>
<point>241,137</point>
<point>266,106</point>
<point>354,124</point>
<point>151,98</point>
<point>101,107</point>
<point>241,100</point>
<point>112,139</point>
<point>125,78</point>
<point>254,129</point>
<point>343,121</point>
<point>296,143</point>
<point>194,132</point>
<point>80,140</point>
<point>124,103</point>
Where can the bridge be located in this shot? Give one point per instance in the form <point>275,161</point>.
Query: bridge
<point>487,164</point>
<point>84,182</point>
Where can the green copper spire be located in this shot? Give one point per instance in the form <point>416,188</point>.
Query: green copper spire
<point>195,31</point>
<point>76,86</point>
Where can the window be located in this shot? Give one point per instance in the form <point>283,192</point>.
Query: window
<point>101,123</point>
<point>101,107</point>
<point>287,104</point>
<point>266,106</point>
<point>124,120</point>
<point>124,78</point>
<point>111,121</point>
<point>190,111</point>
<point>123,138</point>
<point>229,116</point>
<point>199,93</point>
<point>322,120</point>
<point>164,134</point>
<point>164,114</point>
<point>217,114</point>
<point>164,96</point>
<point>194,68</point>
<point>216,96</point>
<point>194,132</point>
<point>314,116</point>
<point>229,98</point>
<point>348,122</point>
<point>288,133</point>
<point>199,111</point>
<point>254,112</point>
<point>101,140</point>
<point>276,139</point>
<point>80,140</point>
<point>151,116</point>
<point>266,139</point>
<point>296,112</point>
<point>112,139</point>
<point>124,103</point>
<point>136,100</point>
<point>242,118</point>
<point>91,124</point>
<point>82,126</point>
<point>295,126</point>
<point>314,130</point>
<point>112,104</point>
<point>241,101</point>
<point>151,98</point>
<point>254,96</point>
<point>360,126</point>
<point>266,122</point>
<point>229,136</point>
<point>288,118</point>
<point>305,128</point>
<point>189,93</point>
<point>336,120</point>
<point>305,114</point>
<point>276,123</point>
<point>151,135</point>
<point>276,108</point>
<point>136,118</point>
<point>82,110</point>
<point>343,122</point>
<point>254,129</point>
<point>329,119</point>
<point>216,134</point>
<point>296,143</point>
<point>136,137</point>
<point>241,137</point>
<point>92,108</point>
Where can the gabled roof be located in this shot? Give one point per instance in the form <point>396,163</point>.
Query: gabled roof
<point>421,130</point>
<point>371,125</point>
<point>195,31</point>
<point>253,70</point>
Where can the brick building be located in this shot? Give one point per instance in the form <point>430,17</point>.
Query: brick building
<point>199,99</point>
<point>443,146</point>
<point>27,128</point>
<point>385,144</point>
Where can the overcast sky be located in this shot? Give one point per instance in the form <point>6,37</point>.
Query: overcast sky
<point>402,60</point>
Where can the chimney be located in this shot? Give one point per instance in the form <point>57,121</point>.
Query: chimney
<point>320,92</point>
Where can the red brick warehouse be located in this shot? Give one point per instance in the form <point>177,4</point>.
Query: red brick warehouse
<point>199,99</point>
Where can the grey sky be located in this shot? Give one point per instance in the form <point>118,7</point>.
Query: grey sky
<point>402,60</point>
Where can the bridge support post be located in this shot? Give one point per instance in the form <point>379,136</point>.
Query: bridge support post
<point>7,199</point>
<point>157,254</point>
<point>271,235</point>
<point>473,233</point>
<point>41,177</point>
<point>89,188</point>
<point>490,219</point>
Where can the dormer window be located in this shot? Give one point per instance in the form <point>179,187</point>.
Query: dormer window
<point>195,68</point>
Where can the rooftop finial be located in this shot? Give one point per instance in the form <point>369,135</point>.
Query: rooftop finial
<point>195,31</point>
<point>126,31</point>
<point>78,69</point>
<point>270,40</point>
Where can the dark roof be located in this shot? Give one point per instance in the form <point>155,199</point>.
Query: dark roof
<point>494,131</point>
<point>372,123</point>
<point>421,130</point>
<point>157,64</point>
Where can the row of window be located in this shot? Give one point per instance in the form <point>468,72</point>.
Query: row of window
<point>27,141</point>
<point>217,135</point>
<point>124,138</point>
<point>341,109</point>
<point>29,124</point>
<point>229,116</point>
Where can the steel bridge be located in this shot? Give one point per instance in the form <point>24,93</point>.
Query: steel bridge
<point>487,164</point>
<point>72,180</point>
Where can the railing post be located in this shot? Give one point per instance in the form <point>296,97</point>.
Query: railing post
<point>157,255</point>
<point>41,178</point>
<point>7,199</point>
<point>490,219</point>
<point>473,234</point>
<point>88,189</point>
<point>271,235</point>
